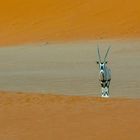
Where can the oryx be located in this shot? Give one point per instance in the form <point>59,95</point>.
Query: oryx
<point>104,74</point>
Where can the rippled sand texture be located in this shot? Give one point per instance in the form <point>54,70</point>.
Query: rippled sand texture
<point>27,117</point>
<point>60,20</point>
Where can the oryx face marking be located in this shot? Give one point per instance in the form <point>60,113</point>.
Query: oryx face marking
<point>104,74</point>
<point>102,66</point>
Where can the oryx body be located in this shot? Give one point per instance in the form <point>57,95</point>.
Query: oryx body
<point>104,74</point>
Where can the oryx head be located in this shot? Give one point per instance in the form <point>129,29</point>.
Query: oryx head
<point>100,62</point>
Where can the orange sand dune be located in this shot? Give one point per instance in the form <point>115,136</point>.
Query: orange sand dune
<point>34,117</point>
<point>27,21</point>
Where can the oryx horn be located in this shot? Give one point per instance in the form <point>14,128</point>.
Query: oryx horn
<point>106,54</point>
<point>98,53</point>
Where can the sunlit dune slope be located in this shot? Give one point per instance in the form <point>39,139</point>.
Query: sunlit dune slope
<point>34,117</point>
<point>61,20</point>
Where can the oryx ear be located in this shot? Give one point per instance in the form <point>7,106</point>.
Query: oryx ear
<point>97,62</point>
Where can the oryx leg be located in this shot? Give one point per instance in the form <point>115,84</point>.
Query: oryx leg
<point>105,89</point>
<point>108,84</point>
